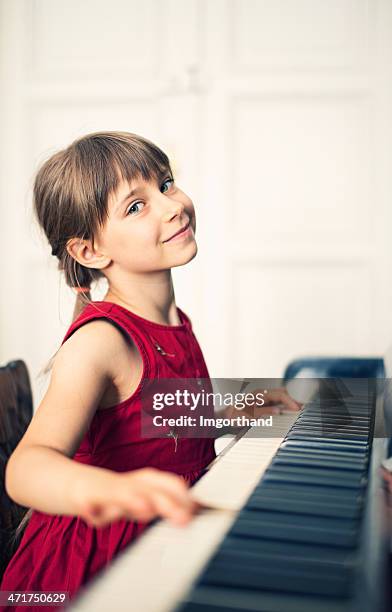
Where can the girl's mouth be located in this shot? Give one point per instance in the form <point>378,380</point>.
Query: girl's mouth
<point>182,233</point>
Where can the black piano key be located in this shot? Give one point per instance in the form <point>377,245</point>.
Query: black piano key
<point>306,556</point>
<point>327,407</point>
<point>301,460</point>
<point>323,556</point>
<point>357,405</point>
<point>323,444</point>
<point>327,426</point>
<point>354,444</point>
<point>330,434</point>
<point>328,430</point>
<point>323,450</point>
<point>316,493</point>
<point>350,480</point>
<point>321,417</point>
<point>241,571</point>
<point>293,489</point>
<point>313,507</point>
<point>286,447</point>
<point>296,528</point>
<point>336,417</point>
<point>311,417</point>
<point>351,406</point>
<point>224,599</point>
<point>317,455</point>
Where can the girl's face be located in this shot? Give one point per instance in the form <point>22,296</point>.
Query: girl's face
<point>142,219</point>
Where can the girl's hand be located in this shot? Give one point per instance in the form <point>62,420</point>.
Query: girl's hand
<point>139,495</point>
<point>275,402</point>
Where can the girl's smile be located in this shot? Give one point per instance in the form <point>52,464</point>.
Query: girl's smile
<point>186,232</point>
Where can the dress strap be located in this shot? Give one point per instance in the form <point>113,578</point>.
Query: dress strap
<point>124,324</point>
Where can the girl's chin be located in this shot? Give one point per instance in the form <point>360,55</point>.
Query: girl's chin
<point>184,256</point>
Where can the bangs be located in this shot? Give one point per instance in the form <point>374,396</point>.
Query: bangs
<point>104,159</point>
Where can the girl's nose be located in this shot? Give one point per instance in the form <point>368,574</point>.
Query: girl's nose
<point>173,208</point>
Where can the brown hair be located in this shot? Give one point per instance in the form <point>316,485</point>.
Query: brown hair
<point>70,196</point>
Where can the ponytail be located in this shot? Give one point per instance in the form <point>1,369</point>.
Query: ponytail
<point>83,298</point>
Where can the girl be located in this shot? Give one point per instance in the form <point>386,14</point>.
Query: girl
<point>109,207</point>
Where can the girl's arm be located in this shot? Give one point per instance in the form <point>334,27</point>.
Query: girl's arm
<point>41,473</point>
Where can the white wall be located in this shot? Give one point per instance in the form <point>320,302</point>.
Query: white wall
<point>277,115</point>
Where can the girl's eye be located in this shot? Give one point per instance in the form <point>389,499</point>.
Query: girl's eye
<point>170,181</point>
<point>164,187</point>
<point>131,210</point>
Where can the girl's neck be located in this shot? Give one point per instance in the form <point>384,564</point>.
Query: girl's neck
<point>157,305</point>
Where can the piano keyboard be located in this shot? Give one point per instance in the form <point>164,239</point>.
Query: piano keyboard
<point>286,532</point>
<point>243,466</point>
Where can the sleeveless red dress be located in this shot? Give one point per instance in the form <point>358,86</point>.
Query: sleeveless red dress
<point>62,553</point>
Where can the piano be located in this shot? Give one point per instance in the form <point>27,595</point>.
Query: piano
<point>296,522</point>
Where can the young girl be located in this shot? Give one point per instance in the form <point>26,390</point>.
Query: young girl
<point>109,206</point>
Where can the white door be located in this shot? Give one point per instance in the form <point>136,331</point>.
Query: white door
<point>298,196</point>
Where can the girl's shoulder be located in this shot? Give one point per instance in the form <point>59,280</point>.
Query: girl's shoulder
<point>110,354</point>
<point>108,342</point>
<point>99,337</point>
<point>96,341</point>
<point>89,313</point>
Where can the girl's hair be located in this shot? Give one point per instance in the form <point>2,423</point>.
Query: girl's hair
<point>70,196</point>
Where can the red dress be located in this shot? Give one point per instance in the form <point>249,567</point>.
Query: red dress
<point>62,553</point>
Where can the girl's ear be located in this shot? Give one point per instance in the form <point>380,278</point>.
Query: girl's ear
<point>85,254</point>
